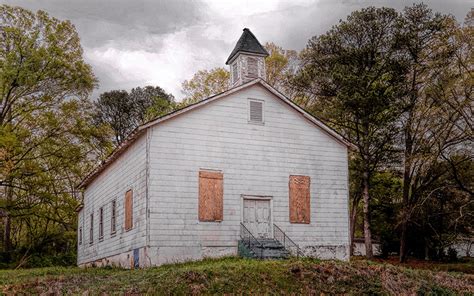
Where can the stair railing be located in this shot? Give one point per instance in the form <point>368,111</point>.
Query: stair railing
<point>248,239</point>
<point>287,242</point>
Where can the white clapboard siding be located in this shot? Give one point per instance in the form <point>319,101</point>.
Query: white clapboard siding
<point>256,159</point>
<point>128,171</point>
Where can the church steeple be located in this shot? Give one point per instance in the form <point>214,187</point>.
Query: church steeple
<point>247,60</point>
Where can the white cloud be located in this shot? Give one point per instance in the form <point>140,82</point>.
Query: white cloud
<point>164,42</point>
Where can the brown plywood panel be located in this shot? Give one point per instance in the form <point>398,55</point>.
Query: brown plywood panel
<point>300,207</point>
<point>128,210</point>
<point>211,194</point>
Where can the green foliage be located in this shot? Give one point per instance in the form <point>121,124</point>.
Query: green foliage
<point>205,83</point>
<point>47,140</point>
<point>399,86</point>
<point>280,65</point>
<point>123,112</point>
<point>352,76</point>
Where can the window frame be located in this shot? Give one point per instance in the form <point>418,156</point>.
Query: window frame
<point>113,217</point>
<point>128,212</point>
<point>219,175</point>
<point>235,72</point>
<point>250,74</point>
<point>101,223</point>
<point>91,228</point>
<point>80,235</point>
<point>263,111</point>
<point>293,209</point>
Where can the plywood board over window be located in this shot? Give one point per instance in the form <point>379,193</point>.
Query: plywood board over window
<point>211,194</point>
<point>300,207</point>
<point>129,210</point>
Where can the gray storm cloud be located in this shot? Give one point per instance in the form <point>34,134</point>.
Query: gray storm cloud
<point>135,43</point>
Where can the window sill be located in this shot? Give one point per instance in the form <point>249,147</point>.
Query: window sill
<point>256,122</point>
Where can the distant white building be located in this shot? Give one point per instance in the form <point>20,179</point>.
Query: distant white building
<point>243,171</point>
<point>359,247</point>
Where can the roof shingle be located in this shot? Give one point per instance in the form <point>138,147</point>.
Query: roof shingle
<point>247,43</point>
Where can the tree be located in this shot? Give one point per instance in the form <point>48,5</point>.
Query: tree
<point>205,83</point>
<point>123,111</point>
<point>280,66</point>
<point>352,77</point>
<point>437,118</point>
<point>47,141</point>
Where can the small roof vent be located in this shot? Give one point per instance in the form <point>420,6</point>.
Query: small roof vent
<point>256,111</point>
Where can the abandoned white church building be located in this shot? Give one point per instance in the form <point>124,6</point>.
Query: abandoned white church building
<point>244,172</point>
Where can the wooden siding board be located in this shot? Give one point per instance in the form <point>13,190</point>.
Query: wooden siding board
<point>128,172</point>
<point>256,159</point>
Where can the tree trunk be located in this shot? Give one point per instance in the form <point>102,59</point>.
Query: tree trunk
<point>403,243</point>
<point>7,234</point>
<point>406,188</point>
<point>367,233</point>
<point>355,203</point>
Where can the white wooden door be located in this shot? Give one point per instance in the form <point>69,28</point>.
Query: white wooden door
<point>257,217</point>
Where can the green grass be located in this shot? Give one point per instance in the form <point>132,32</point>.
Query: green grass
<point>240,276</point>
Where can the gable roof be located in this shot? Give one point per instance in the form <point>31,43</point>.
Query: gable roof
<point>247,43</point>
<point>119,150</point>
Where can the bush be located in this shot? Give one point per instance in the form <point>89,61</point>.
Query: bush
<point>452,254</point>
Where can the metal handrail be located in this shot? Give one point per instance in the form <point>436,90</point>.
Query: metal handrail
<point>247,238</point>
<point>286,241</point>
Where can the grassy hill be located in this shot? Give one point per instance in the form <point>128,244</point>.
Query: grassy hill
<point>237,276</point>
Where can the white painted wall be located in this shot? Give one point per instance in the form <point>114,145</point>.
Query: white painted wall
<point>126,172</point>
<point>255,160</point>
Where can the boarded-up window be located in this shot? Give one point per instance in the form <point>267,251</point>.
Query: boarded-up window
<point>211,193</point>
<point>255,111</point>
<point>300,199</point>
<point>252,65</point>
<point>128,210</point>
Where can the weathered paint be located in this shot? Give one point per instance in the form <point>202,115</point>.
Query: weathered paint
<point>255,160</point>
<point>128,173</point>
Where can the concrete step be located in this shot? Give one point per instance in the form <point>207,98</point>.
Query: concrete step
<point>268,249</point>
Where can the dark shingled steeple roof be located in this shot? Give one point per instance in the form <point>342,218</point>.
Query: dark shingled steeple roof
<point>247,43</point>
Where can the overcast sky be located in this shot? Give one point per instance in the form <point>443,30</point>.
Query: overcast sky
<point>133,43</point>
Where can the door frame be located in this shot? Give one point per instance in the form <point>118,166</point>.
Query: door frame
<point>257,197</point>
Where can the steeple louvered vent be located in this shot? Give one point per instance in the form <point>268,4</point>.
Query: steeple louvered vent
<point>255,111</point>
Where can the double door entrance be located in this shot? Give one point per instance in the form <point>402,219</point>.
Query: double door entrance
<point>257,217</point>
